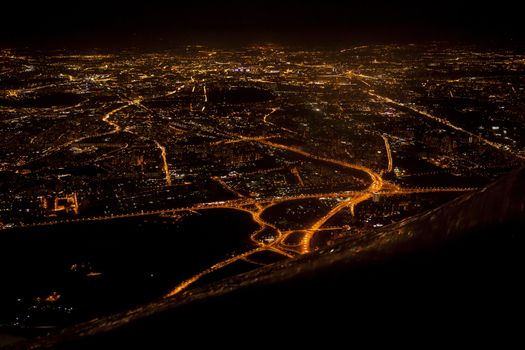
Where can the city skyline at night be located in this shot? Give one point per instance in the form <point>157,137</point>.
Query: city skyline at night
<point>167,162</point>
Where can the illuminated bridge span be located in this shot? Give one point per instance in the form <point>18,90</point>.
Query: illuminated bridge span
<point>243,139</point>
<point>165,166</point>
<point>276,200</point>
<point>107,116</point>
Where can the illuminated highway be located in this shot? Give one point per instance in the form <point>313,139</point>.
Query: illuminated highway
<point>388,154</point>
<point>165,166</point>
<point>185,284</point>
<point>267,115</point>
<point>226,186</point>
<point>106,118</point>
<point>237,204</point>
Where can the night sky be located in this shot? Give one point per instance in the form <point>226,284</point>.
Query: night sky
<point>98,22</point>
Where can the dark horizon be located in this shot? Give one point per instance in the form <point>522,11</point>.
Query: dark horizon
<point>97,24</point>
